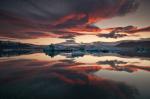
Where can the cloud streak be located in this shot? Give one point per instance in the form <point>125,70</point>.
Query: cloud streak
<point>119,32</point>
<point>112,35</point>
<point>30,16</point>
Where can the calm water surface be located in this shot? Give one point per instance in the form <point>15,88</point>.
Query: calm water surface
<point>39,76</point>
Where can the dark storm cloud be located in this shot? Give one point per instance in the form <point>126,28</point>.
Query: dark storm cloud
<point>55,14</point>
<point>53,9</point>
<point>112,35</point>
<point>145,29</point>
<point>129,29</point>
<point>89,11</point>
<point>128,6</point>
<point>119,32</point>
<point>122,29</point>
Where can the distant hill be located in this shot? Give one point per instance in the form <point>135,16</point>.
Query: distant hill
<point>9,48</point>
<point>134,44</point>
<point>17,45</point>
<point>135,48</point>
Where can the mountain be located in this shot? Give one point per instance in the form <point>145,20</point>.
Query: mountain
<point>134,48</point>
<point>9,48</point>
<point>133,44</point>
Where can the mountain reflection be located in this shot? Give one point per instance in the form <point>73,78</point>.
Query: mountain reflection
<point>37,76</point>
<point>59,83</point>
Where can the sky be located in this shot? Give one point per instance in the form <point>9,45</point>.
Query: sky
<point>43,22</point>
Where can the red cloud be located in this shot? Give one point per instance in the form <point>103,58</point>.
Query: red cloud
<point>51,15</point>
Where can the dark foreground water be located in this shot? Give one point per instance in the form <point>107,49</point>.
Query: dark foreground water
<point>38,76</point>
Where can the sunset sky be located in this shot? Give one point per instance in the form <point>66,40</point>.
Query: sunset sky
<point>44,22</point>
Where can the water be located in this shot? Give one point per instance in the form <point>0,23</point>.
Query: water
<point>92,76</point>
